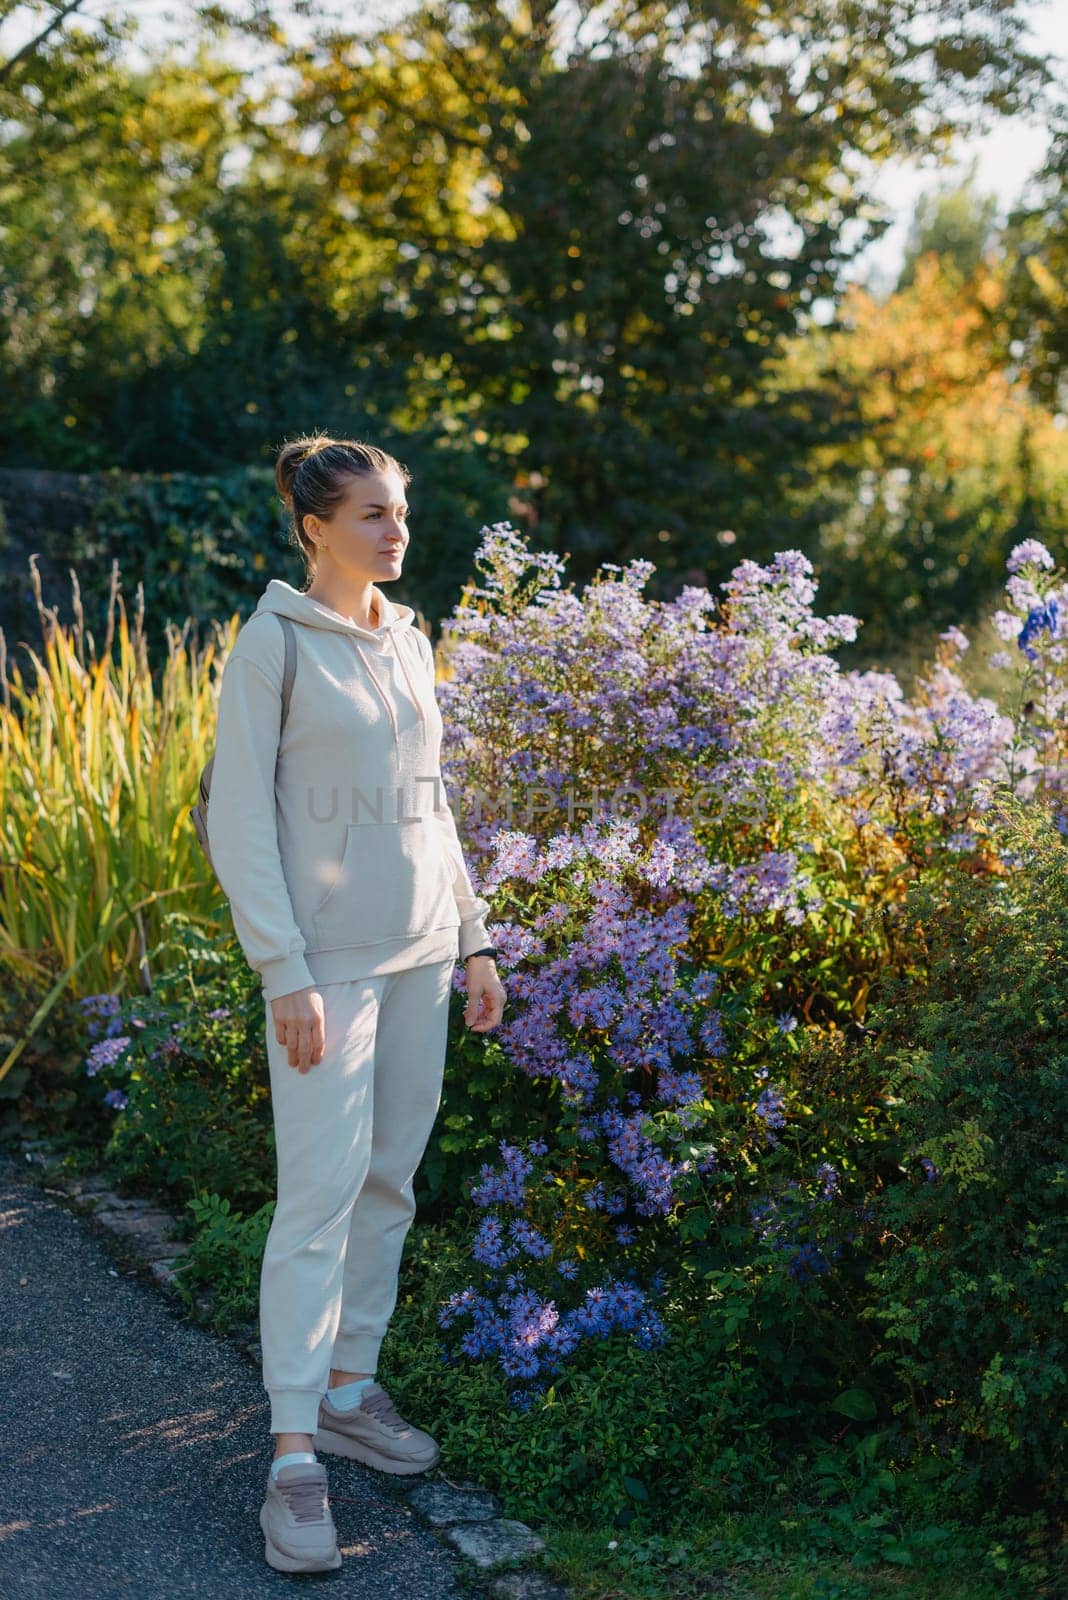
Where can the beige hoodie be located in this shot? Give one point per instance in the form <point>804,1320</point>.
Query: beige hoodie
<point>345,862</point>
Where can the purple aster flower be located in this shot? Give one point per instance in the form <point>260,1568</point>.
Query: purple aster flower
<point>105,1053</point>
<point>828,1178</point>
<point>769,1106</point>
<point>1028,552</point>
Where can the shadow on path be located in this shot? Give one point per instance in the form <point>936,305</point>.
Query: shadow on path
<point>135,1445</point>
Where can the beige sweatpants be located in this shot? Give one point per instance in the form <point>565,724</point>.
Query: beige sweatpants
<point>349,1135</point>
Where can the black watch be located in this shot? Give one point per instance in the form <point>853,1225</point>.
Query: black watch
<point>488,951</point>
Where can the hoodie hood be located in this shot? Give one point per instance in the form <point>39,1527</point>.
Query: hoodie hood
<point>396,620</point>
<point>281,596</point>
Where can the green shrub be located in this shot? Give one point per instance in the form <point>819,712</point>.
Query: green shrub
<point>970,1287</point>
<point>187,1073</point>
<point>204,545</point>
<point>224,1257</point>
<point>43,1092</point>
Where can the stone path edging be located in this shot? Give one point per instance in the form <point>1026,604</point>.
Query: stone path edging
<point>465,1515</point>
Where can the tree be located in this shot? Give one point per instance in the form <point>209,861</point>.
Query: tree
<point>575,246</point>
<point>629,220</point>
<point>956,223</point>
<point>1036,241</point>
<point>952,463</point>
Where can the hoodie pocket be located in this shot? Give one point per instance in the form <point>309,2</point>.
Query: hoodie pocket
<point>392,883</point>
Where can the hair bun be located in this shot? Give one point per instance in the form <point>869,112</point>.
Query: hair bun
<point>290,458</point>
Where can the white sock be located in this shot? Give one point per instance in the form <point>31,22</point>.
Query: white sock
<point>289,1458</point>
<point>347,1396</point>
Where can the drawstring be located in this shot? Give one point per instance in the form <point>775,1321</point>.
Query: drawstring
<point>385,697</point>
<point>415,692</point>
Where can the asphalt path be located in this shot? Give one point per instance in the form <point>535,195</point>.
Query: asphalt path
<point>135,1445</point>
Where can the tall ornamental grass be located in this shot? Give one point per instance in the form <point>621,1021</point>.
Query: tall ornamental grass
<point>99,762</point>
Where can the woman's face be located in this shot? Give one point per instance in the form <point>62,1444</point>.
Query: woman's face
<point>368,533</point>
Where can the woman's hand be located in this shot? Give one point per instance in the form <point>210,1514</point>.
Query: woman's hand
<point>299,1023</point>
<point>486,994</point>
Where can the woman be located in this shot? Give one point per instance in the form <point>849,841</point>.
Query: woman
<point>338,852</point>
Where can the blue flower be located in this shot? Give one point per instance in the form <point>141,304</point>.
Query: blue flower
<point>528,1238</point>
<point>507,1187</point>
<point>99,1005</point>
<point>829,1178</point>
<point>105,1053</point>
<point>769,1106</point>
<point>1028,551</point>
<point>807,1262</point>
<point>488,1247</point>
<point>1039,617</point>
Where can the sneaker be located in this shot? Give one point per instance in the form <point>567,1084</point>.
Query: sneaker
<point>376,1434</point>
<point>298,1528</point>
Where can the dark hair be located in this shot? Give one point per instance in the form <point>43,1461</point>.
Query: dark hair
<point>313,476</point>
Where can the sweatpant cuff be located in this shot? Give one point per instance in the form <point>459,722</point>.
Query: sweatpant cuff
<point>294,1410</point>
<point>356,1352</point>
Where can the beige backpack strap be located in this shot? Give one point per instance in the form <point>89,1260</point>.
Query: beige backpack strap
<point>289,671</point>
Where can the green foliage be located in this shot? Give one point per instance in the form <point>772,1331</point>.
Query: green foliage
<point>969,1290</point>
<point>198,546</point>
<point>482,1102</point>
<point>681,1465</point>
<point>203,545</point>
<point>198,1118</point>
<point>956,222</point>
<point>224,1257</point>
<point>44,1092</point>
<point>953,461</point>
<point>1036,243</point>
<point>96,786</point>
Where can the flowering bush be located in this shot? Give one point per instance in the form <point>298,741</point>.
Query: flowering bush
<point>657,965</point>
<point>659,1134</point>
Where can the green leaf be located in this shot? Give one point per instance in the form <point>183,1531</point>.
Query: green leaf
<point>636,1489</point>
<point>855,1403</point>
